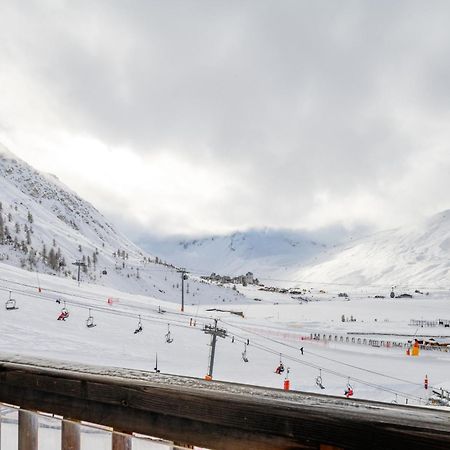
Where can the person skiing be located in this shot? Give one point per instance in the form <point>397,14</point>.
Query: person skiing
<point>301,349</point>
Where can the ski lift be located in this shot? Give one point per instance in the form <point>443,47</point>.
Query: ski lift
<point>64,314</point>
<point>90,320</point>
<point>280,369</point>
<point>392,294</point>
<point>395,401</point>
<point>319,382</point>
<point>139,327</point>
<point>348,389</point>
<point>10,304</point>
<point>244,353</point>
<point>169,339</point>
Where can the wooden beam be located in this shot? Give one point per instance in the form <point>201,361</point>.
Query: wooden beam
<point>121,441</point>
<point>219,415</point>
<point>70,435</point>
<point>28,430</point>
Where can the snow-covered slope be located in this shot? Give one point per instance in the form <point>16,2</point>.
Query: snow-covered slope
<point>45,227</point>
<point>410,256</point>
<point>266,252</point>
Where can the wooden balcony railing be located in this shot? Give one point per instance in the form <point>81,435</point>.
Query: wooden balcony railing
<point>214,415</point>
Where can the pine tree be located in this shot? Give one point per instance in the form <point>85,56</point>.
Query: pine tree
<point>17,228</point>
<point>30,217</point>
<point>2,230</point>
<point>52,260</point>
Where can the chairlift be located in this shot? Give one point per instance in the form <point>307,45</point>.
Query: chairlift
<point>139,327</point>
<point>280,369</point>
<point>244,353</point>
<point>319,381</point>
<point>348,389</point>
<point>10,304</point>
<point>90,320</point>
<point>169,339</point>
<point>64,314</point>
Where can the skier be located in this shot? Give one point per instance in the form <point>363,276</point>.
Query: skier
<point>301,349</point>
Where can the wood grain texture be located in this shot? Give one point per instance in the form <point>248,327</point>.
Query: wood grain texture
<point>222,415</point>
<point>28,430</point>
<point>70,435</point>
<point>121,442</point>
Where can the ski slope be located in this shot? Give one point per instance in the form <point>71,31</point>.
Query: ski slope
<point>275,325</point>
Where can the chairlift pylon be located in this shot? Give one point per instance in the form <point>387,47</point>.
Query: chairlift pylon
<point>10,304</point>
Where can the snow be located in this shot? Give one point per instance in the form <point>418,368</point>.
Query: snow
<point>279,323</point>
<point>272,328</point>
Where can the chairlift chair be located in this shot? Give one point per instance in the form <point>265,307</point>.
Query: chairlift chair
<point>348,390</point>
<point>169,339</point>
<point>139,327</point>
<point>244,353</point>
<point>280,369</point>
<point>319,381</point>
<point>90,321</point>
<point>10,303</point>
<point>64,314</point>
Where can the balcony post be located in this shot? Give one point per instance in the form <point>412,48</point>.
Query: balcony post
<point>70,435</point>
<point>28,430</point>
<point>121,441</point>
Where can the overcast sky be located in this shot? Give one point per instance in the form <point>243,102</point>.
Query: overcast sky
<point>199,117</point>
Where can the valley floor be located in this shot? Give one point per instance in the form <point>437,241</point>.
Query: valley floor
<point>274,327</point>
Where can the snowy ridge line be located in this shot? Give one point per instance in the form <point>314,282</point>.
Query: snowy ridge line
<point>301,361</point>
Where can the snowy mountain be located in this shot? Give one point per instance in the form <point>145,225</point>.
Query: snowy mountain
<point>45,227</point>
<point>416,255</point>
<point>266,252</point>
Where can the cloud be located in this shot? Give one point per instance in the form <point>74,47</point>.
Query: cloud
<point>301,113</point>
